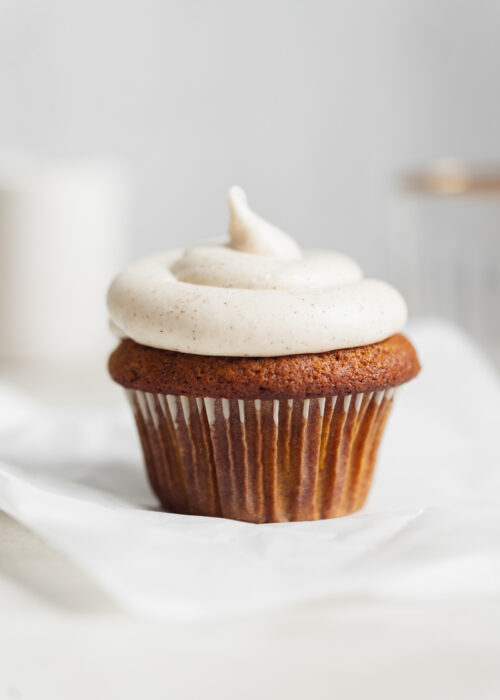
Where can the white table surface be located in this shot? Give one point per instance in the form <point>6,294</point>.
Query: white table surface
<point>62,638</point>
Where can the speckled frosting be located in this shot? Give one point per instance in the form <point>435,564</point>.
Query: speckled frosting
<point>254,295</point>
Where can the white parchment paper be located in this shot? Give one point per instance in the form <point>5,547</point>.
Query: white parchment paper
<point>430,530</point>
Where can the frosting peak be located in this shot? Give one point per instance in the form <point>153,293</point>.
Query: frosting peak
<point>255,294</point>
<point>249,233</point>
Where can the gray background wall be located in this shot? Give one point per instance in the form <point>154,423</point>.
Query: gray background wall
<point>312,106</point>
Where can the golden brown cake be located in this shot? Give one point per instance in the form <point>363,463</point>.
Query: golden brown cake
<point>248,438</point>
<point>382,365</point>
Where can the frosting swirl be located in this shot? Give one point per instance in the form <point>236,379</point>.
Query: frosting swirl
<point>254,295</point>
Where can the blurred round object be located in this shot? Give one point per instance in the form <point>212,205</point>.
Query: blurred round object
<point>62,237</point>
<point>445,246</point>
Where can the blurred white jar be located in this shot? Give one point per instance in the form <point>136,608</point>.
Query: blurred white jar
<point>445,246</point>
<point>62,237</point>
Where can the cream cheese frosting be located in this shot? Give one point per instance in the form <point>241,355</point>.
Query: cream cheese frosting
<point>253,295</point>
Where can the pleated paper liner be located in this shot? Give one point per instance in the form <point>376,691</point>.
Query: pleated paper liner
<point>261,461</point>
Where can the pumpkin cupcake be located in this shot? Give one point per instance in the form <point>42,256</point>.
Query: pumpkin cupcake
<point>260,376</point>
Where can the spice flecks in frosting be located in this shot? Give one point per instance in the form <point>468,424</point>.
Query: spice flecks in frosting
<point>254,295</point>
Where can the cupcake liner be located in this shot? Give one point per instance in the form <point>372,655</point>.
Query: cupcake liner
<point>261,461</point>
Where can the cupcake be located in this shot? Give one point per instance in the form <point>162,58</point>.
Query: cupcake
<point>260,376</point>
